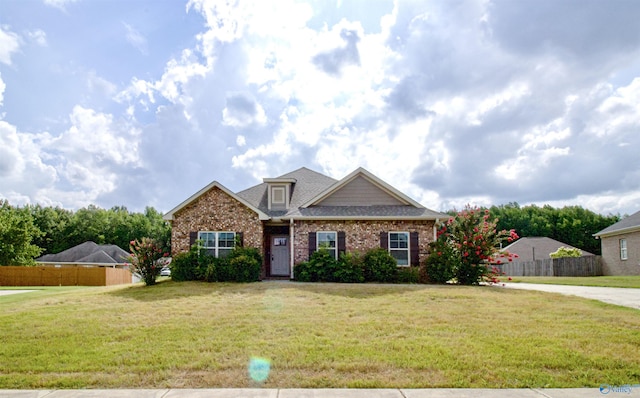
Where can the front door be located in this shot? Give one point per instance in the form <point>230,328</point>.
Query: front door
<point>280,255</point>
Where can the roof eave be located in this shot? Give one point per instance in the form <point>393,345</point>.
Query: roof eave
<point>635,228</point>
<point>169,215</point>
<point>372,178</point>
<point>369,218</point>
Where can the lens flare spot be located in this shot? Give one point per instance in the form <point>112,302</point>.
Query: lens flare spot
<point>259,369</point>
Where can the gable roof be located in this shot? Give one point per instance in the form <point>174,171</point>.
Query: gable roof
<point>308,184</point>
<point>215,184</point>
<point>370,178</point>
<point>310,188</point>
<point>627,224</point>
<point>537,248</point>
<point>88,252</point>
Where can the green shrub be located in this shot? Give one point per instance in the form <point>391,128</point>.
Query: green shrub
<point>438,267</point>
<point>350,268</point>
<point>321,267</point>
<point>184,266</point>
<point>380,266</point>
<point>243,264</point>
<point>408,275</point>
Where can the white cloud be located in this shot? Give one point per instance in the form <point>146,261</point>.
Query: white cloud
<point>60,4</point>
<point>9,44</point>
<point>2,88</point>
<point>38,36</point>
<point>135,38</point>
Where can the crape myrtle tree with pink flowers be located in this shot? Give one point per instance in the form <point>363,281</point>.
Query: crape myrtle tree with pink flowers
<point>466,248</point>
<point>144,257</point>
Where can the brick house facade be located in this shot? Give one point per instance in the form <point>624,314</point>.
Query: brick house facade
<point>620,245</point>
<point>288,217</point>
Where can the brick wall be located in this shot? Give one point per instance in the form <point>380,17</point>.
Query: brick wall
<point>611,262</point>
<point>360,235</point>
<point>215,211</point>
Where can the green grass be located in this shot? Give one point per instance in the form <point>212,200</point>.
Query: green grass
<point>607,281</point>
<point>175,335</point>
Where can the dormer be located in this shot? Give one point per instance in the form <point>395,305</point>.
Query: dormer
<point>279,192</point>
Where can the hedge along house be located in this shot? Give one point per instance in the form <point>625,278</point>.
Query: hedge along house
<point>291,216</point>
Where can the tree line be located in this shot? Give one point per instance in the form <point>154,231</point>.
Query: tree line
<point>572,225</point>
<point>33,230</point>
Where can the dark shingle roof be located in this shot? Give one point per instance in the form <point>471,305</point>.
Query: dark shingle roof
<point>540,247</point>
<point>365,212</point>
<point>308,184</point>
<point>88,252</point>
<point>630,222</point>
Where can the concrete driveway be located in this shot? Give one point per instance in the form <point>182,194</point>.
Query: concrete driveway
<point>612,295</point>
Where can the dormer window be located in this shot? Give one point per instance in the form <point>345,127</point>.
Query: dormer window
<point>279,192</point>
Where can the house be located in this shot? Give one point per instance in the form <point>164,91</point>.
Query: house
<point>537,248</point>
<point>620,245</point>
<point>87,254</point>
<point>291,216</point>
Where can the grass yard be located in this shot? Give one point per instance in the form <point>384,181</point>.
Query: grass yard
<point>607,281</point>
<point>313,335</point>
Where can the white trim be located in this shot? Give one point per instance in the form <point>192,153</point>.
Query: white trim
<point>627,230</point>
<point>624,251</point>
<point>216,247</point>
<point>336,241</point>
<point>408,249</point>
<point>291,240</point>
<point>372,179</point>
<point>215,184</point>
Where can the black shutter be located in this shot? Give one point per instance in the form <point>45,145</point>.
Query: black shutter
<point>240,239</point>
<point>414,249</point>
<point>312,243</point>
<point>193,237</point>
<point>384,240</point>
<point>342,243</point>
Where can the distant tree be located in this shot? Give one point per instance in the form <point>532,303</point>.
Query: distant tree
<point>566,252</point>
<point>572,225</point>
<point>17,231</point>
<point>52,222</point>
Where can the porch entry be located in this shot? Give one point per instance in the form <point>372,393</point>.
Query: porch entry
<point>280,255</point>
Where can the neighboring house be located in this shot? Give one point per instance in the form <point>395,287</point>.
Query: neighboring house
<point>289,217</point>
<point>87,254</point>
<point>620,244</point>
<point>536,248</point>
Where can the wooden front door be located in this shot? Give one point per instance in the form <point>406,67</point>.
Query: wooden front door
<point>280,255</point>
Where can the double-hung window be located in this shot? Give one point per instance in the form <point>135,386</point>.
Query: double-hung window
<point>623,249</point>
<point>399,247</point>
<point>217,243</point>
<point>328,241</point>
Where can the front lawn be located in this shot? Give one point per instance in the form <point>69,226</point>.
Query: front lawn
<point>313,335</point>
<point>607,281</point>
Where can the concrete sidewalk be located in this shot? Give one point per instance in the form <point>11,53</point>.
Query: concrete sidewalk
<point>626,297</point>
<point>626,391</point>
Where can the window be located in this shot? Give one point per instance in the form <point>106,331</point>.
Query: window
<point>327,240</point>
<point>217,244</point>
<point>623,249</point>
<point>399,247</point>
<point>277,195</point>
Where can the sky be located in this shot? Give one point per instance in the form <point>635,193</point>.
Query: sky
<point>483,102</point>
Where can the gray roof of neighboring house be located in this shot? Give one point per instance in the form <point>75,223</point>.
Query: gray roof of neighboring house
<point>540,247</point>
<point>626,224</point>
<point>88,252</point>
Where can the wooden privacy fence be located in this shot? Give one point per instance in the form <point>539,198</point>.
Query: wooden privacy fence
<point>63,276</point>
<point>568,266</point>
